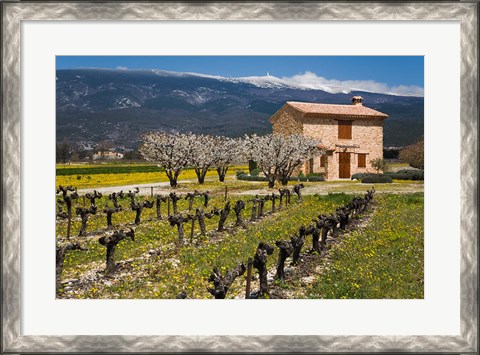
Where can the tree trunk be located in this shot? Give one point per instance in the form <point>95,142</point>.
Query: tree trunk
<point>222,171</point>
<point>271,182</point>
<point>200,175</point>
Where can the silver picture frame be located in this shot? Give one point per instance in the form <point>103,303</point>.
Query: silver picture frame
<point>13,12</point>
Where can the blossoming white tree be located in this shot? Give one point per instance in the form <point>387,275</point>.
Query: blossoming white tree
<point>226,151</point>
<point>277,155</point>
<point>203,154</point>
<point>172,151</point>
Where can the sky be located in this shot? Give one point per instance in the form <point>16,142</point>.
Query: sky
<point>394,74</point>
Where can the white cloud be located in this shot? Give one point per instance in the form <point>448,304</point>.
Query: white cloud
<point>120,67</point>
<point>309,80</point>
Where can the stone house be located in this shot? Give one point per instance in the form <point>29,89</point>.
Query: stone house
<point>351,135</point>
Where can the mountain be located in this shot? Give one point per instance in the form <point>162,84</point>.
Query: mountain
<point>93,105</point>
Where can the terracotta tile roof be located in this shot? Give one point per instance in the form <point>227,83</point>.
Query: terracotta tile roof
<point>352,111</point>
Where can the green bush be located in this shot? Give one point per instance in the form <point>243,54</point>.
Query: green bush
<point>377,179</point>
<point>406,174</point>
<point>309,177</point>
<point>240,172</point>
<point>255,172</point>
<point>360,176</point>
<point>246,177</point>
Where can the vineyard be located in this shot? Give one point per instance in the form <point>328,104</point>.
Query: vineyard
<point>222,244</point>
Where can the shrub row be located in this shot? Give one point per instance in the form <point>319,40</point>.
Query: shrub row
<point>405,174</point>
<point>374,179</point>
<point>241,175</point>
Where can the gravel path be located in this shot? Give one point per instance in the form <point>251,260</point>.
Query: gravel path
<point>322,188</point>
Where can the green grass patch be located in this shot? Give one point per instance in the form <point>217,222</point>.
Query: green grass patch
<point>383,260</point>
<point>107,169</point>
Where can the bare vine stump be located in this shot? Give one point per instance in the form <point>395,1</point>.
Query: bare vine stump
<point>109,212</point>
<point>238,208</point>
<point>111,242</point>
<point>206,198</point>
<point>285,250</point>
<point>114,198</point>
<point>60,258</point>
<point>260,263</point>
<point>273,197</point>
<point>132,194</point>
<point>200,215</point>
<point>221,284</point>
<point>178,220</point>
<point>138,208</point>
<point>84,213</point>
<point>261,204</point>
<point>92,197</point>
<point>316,239</point>
<point>298,190</point>
<point>288,195</point>
<point>325,228</point>
<point>192,228</point>
<point>61,213</point>
<point>158,202</point>
<point>297,242</point>
<point>191,197</point>
<point>249,278</point>
<point>342,216</point>
<point>254,209</point>
<point>284,196</point>
<point>68,199</point>
<point>224,212</point>
<point>333,222</point>
<point>174,198</point>
<point>181,296</point>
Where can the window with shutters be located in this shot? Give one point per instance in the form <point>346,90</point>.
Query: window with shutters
<point>362,160</point>
<point>323,161</point>
<point>344,129</point>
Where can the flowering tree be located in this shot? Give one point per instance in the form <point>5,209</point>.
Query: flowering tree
<point>203,155</point>
<point>225,150</point>
<point>171,151</point>
<point>277,156</point>
<point>413,154</point>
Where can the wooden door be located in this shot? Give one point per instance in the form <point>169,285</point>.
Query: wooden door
<point>310,166</point>
<point>344,165</point>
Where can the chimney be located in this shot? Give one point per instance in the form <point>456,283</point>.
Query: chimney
<point>357,100</point>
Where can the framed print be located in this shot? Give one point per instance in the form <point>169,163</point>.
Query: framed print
<point>239,177</point>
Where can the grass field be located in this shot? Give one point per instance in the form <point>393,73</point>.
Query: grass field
<point>101,175</point>
<point>384,260</point>
<point>382,257</point>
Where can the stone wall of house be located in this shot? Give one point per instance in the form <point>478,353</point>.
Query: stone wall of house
<point>286,121</point>
<point>367,138</point>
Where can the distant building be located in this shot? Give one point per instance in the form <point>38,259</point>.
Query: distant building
<point>107,155</point>
<point>351,135</point>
